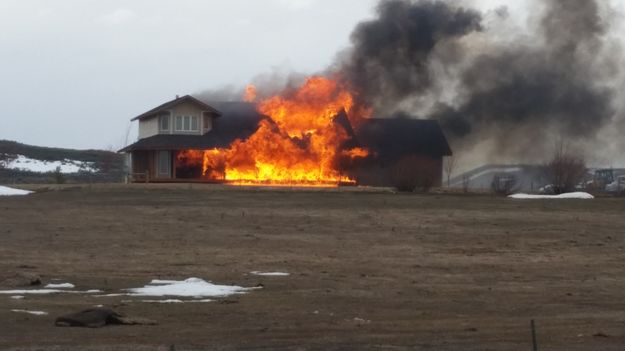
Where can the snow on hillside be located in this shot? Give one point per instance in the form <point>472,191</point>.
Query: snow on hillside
<point>24,163</point>
<point>6,191</point>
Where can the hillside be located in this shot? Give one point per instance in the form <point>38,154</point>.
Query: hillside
<point>21,163</point>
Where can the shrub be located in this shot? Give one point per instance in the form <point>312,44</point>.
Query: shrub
<point>59,177</point>
<point>504,184</point>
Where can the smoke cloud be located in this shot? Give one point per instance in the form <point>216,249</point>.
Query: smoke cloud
<point>501,92</point>
<point>390,60</point>
<point>435,59</point>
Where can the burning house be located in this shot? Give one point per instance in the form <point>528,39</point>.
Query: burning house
<point>501,101</point>
<point>314,135</point>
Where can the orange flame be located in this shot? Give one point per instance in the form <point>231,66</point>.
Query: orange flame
<point>299,145</point>
<point>250,93</point>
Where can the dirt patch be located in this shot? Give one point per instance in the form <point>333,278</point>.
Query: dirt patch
<point>368,270</point>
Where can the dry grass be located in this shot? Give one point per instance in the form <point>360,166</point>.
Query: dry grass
<point>369,269</point>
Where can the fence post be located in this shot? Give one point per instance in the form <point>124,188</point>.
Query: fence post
<point>534,341</point>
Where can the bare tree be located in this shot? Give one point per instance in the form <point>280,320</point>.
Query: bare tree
<point>450,167</point>
<point>566,170</point>
<point>466,183</point>
<point>127,135</point>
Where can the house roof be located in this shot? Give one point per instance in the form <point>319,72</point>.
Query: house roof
<point>400,136</point>
<point>240,120</point>
<point>387,137</point>
<point>177,101</point>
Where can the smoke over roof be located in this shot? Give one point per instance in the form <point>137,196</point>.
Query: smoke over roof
<point>391,56</point>
<point>501,93</point>
<point>520,94</point>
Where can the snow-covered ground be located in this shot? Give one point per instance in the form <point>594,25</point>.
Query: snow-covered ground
<point>60,286</point>
<point>580,195</point>
<point>270,274</point>
<point>36,313</point>
<point>192,287</point>
<point>66,166</point>
<point>6,191</point>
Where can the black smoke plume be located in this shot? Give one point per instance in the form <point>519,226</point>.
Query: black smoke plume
<point>391,54</point>
<point>520,94</point>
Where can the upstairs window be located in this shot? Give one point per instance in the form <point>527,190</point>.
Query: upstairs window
<point>164,123</point>
<point>187,124</point>
<point>207,124</point>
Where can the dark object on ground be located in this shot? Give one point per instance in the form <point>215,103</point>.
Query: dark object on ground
<point>97,318</point>
<point>228,302</point>
<point>600,335</point>
<point>21,279</point>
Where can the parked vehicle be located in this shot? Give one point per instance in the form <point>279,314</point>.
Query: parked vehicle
<point>602,178</point>
<point>617,186</point>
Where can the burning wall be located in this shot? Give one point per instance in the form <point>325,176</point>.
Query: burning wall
<point>300,143</point>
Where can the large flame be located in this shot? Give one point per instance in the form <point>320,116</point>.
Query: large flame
<point>301,144</point>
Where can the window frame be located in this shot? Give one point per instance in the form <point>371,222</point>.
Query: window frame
<point>161,119</point>
<point>179,122</point>
<point>185,123</point>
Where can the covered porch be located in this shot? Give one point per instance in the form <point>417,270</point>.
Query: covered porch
<point>166,166</point>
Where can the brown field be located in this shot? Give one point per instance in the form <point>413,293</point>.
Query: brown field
<point>370,270</point>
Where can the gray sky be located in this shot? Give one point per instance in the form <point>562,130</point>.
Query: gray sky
<point>73,72</point>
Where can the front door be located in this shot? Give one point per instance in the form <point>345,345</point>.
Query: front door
<point>164,164</point>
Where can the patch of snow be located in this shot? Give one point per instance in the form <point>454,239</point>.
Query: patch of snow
<point>192,287</point>
<point>579,195</point>
<point>270,274</point>
<point>17,297</point>
<point>361,320</point>
<point>36,313</point>
<point>60,286</point>
<point>24,163</point>
<point>46,291</point>
<point>6,191</point>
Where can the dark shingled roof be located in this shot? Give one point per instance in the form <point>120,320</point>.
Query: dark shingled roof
<point>401,136</point>
<point>240,120</point>
<point>387,137</point>
<point>172,103</point>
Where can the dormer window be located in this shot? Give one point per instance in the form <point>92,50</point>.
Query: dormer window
<point>187,124</point>
<point>164,123</point>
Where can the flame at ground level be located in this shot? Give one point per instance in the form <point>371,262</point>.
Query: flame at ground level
<point>300,144</point>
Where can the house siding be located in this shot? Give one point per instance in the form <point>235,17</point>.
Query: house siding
<point>148,128</point>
